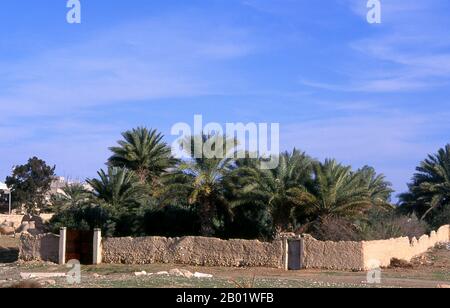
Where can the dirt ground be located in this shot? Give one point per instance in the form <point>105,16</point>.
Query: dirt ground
<point>429,271</point>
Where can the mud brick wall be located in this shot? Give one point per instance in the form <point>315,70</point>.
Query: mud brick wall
<point>199,251</point>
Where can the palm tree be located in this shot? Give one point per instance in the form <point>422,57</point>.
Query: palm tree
<point>430,188</point>
<point>118,189</point>
<point>380,190</point>
<point>335,192</point>
<point>143,151</point>
<point>280,188</point>
<point>203,180</point>
<point>72,196</point>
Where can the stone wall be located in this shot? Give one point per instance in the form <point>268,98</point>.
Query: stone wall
<point>17,219</point>
<point>43,247</point>
<point>382,252</point>
<point>197,251</point>
<point>201,251</point>
<point>367,255</point>
<point>332,255</point>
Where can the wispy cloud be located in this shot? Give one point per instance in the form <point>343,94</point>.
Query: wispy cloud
<point>408,52</point>
<point>393,142</point>
<point>139,61</point>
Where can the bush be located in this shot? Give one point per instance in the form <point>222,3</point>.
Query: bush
<point>334,229</point>
<point>171,221</point>
<point>441,218</point>
<point>84,218</point>
<point>250,222</point>
<point>377,225</point>
<point>381,225</point>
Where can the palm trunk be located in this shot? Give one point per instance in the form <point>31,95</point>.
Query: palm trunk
<point>207,214</point>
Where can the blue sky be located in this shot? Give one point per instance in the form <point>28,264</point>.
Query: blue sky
<point>338,86</point>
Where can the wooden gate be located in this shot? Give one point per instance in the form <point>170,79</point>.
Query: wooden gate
<point>294,254</point>
<point>80,246</point>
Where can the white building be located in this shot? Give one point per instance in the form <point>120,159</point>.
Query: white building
<point>4,190</point>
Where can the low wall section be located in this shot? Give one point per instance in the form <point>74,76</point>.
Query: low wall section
<point>332,255</point>
<point>201,251</point>
<point>198,251</point>
<point>383,252</point>
<point>367,255</point>
<point>43,247</point>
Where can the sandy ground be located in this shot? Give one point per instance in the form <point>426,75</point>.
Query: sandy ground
<point>429,271</point>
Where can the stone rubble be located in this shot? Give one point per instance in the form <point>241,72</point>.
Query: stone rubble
<point>176,273</point>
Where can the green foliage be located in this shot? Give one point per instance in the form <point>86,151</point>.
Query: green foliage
<point>144,152</point>
<point>429,192</point>
<point>201,181</point>
<point>335,192</point>
<point>30,184</point>
<point>379,189</point>
<point>441,218</point>
<point>279,189</point>
<point>250,221</point>
<point>77,208</point>
<point>72,196</point>
<point>171,221</point>
<point>146,192</point>
<point>84,217</point>
<point>379,225</point>
<point>118,189</point>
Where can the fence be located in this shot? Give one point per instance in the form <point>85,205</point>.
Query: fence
<point>294,253</point>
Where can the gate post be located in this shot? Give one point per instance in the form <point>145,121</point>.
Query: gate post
<point>286,254</point>
<point>62,246</point>
<point>97,252</point>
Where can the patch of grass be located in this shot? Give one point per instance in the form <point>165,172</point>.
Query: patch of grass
<point>443,275</point>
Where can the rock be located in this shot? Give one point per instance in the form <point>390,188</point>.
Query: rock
<point>202,275</point>
<point>139,274</point>
<point>5,229</point>
<point>187,274</point>
<point>27,276</point>
<point>35,222</point>
<point>444,286</point>
<point>48,282</point>
<point>176,272</point>
<point>95,275</point>
<point>396,263</point>
<point>24,227</point>
<point>162,273</point>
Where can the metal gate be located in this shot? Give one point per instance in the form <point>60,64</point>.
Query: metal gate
<point>80,246</point>
<point>294,254</point>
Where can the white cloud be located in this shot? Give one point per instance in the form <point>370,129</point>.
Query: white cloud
<point>141,61</point>
<point>408,52</point>
<point>393,142</point>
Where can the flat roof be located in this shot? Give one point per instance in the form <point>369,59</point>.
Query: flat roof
<point>3,186</point>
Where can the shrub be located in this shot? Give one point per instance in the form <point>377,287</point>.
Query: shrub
<point>441,218</point>
<point>381,225</point>
<point>84,218</point>
<point>334,229</point>
<point>250,222</point>
<point>171,221</point>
